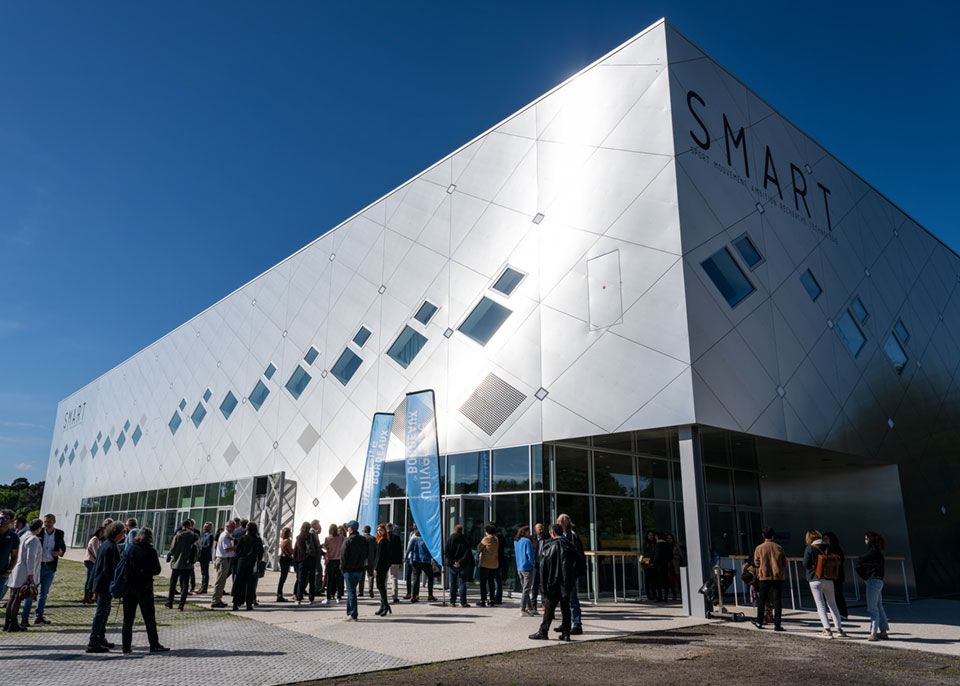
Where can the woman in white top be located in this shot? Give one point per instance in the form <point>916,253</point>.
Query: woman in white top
<point>26,571</point>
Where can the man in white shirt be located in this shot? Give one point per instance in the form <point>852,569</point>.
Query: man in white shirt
<point>224,563</point>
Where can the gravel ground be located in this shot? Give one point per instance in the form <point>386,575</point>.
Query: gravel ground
<point>709,654</point>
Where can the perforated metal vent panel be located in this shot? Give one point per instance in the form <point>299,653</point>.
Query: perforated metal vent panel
<point>491,403</point>
<point>400,421</point>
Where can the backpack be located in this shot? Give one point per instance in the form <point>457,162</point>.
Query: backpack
<point>828,566</point>
<point>121,574</point>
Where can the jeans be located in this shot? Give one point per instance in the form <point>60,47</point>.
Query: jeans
<point>142,598</point>
<point>98,631</point>
<point>575,616</point>
<point>88,583</point>
<point>878,617</point>
<point>550,601</point>
<point>183,576</point>
<point>488,584</point>
<point>526,583</point>
<point>46,580</point>
<point>204,575</point>
<point>823,595</point>
<point>772,590</point>
<point>458,583</point>
<point>351,581</point>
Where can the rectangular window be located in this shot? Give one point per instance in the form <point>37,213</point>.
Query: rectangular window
<point>463,473</point>
<point>511,469</point>
<point>859,310</point>
<point>728,277</point>
<point>346,366</point>
<point>406,347</point>
<point>362,335</point>
<point>259,394</point>
<point>851,333</point>
<point>206,395</point>
<point>485,320</point>
<point>895,353</point>
<point>270,371</point>
<point>508,281</point>
<point>228,405</point>
<point>811,284</point>
<point>174,424</point>
<point>298,382</point>
<point>901,331</point>
<point>748,251</point>
<point>199,412</point>
<point>311,355</point>
<point>426,312</point>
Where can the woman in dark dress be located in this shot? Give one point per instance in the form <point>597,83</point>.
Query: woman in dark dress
<point>142,565</point>
<point>249,553</point>
<point>383,567</point>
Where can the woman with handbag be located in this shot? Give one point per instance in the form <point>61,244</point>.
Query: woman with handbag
<point>249,554</point>
<point>820,576</point>
<point>23,579</point>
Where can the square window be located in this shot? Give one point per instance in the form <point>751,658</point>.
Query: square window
<point>426,312</point>
<point>362,335</point>
<point>901,332</point>
<point>748,251</point>
<point>183,403</point>
<point>137,435</point>
<point>895,353</point>
<point>259,394</point>
<point>508,281</point>
<point>346,366</point>
<point>311,355</point>
<point>728,277</point>
<point>270,371</point>
<point>859,310</point>
<point>811,284</point>
<point>406,347</point>
<point>174,424</point>
<point>228,405</point>
<point>487,317</point>
<point>199,412</point>
<point>206,395</point>
<point>851,333</point>
<point>298,382</point>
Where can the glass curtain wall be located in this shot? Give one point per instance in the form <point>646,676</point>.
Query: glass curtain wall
<point>163,509</point>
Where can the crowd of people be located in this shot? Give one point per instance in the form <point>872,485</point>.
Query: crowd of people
<point>349,562</point>
<point>823,563</point>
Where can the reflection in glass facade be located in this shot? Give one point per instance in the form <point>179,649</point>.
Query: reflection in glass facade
<point>162,510</point>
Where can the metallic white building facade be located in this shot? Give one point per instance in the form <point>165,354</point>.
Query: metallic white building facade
<point>647,245</point>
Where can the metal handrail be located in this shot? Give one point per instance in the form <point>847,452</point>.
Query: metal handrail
<point>794,580</point>
<point>622,555</point>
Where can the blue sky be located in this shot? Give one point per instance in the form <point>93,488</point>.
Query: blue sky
<point>156,156</point>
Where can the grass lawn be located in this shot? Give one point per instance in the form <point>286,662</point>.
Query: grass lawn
<point>69,614</point>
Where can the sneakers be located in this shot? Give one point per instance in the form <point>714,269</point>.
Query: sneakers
<point>883,636</point>
<point>841,633</point>
<point>826,633</point>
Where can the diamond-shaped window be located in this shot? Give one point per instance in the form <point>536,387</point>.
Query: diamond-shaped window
<point>183,403</point>
<point>426,312</point>
<point>311,355</point>
<point>362,335</point>
<point>484,320</point>
<point>346,366</point>
<point>270,371</point>
<point>228,405</point>
<point>94,449</point>
<point>174,424</point>
<point>137,435</point>
<point>126,425</point>
<point>206,395</point>
<point>106,445</point>
<point>406,347</point>
<point>199,412</point>
<point>901,332</point>
<point>121,439</point>
<point>259,395</point>
<point>298,382</point>
<point>508,281</point>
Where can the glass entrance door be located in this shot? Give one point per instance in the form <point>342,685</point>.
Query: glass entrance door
<point>470,511</point>
<point>748,530</point>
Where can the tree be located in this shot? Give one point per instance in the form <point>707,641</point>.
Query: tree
<point>21,496</point>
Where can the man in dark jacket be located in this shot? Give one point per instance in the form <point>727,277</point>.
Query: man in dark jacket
<point>353,561</point>
<point>206,555</point>
<point>181,557</point>
<point>580,566</point>
<point>371,559</point>
<point>662,559</point>
<point>142,564</point>
<point>460,563</point>
<point>558,578</point>
<point>396,559</point>
<point>103,569</point>
<point>503,565</point>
